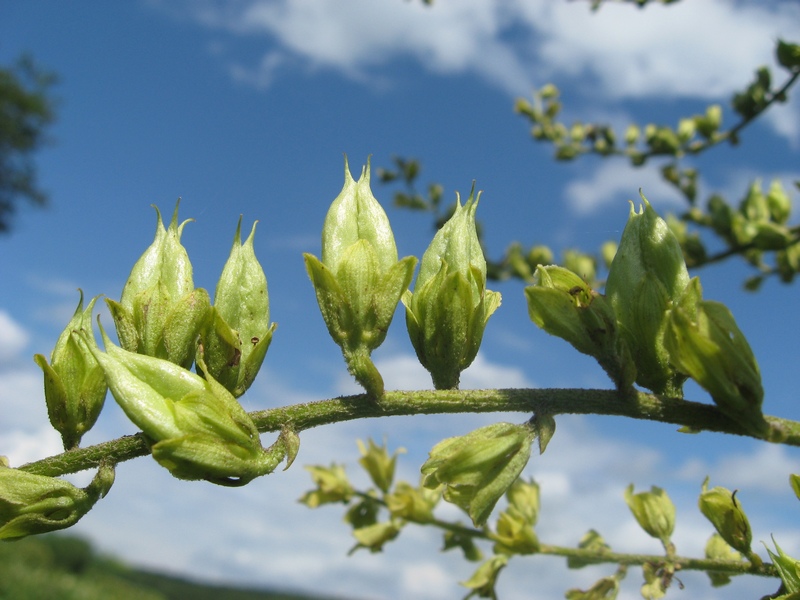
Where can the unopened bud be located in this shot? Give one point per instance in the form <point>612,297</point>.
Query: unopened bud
<point>647,275</point>
<point>359,280</point>
<point>720,506</point>
<point>74,385</point>
<point>654,512</point>
<point>239,332</point>
<point>477,469</point>
<point>450,306</point>
<point>32,504</point>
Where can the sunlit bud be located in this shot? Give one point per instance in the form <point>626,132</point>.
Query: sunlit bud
<point>523,499</point>
<point>514,535</point>
<point>359,280</point>
<point>718,549</point>
<point>794,481</point>
<point>411,503</point>
<point>377,462</point>
<point>705,343</point>
<point>564,305</point>
<point>788,55</point>
<point>373,537</point>
<point>654,512</point>
<point>788,569</point>
<point>779,203</point>
<point>647,275</point>
<point>477,469</point>
<point>720,506</point>
<point>484,579</point>
<point>606,588</point>
<point>160,312</point>
<point>686,129</point>
<point>332,486</point>
<point>32,504</point>
<point>709,124</point>
<point>448,311</point>
<point>632,134</point>
<point>74,384</point>
<point>198,428</point>
<point>754,205</point>
<point>239,332</point>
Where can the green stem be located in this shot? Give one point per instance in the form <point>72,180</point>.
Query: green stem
<point>639,405</point>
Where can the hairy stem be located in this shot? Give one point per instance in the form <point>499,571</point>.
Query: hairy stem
<point>637,405</point>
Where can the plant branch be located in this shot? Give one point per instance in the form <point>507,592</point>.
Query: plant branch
<point>638,405</point>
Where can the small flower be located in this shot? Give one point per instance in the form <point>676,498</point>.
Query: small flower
<point>484,579</point>
<point>74,385</point>
<point>411,503</point>
<point>654,512</point>
<point>477,469</point>
<point>359,280</point>
<point>239,333</point>
<point>33,504</point>
<point>377,462</point>
<point>718,549</point>
<point>448,311</point>
<point>719,505</point>
<point>373,537</point>
<point>332,486</point>
<point>160,312</point>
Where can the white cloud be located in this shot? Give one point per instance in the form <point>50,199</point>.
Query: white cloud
<point>13,338</point>
<point>691,49</point>
<point>613,183</point>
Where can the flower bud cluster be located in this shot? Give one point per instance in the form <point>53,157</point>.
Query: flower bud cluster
<point>653,327</point>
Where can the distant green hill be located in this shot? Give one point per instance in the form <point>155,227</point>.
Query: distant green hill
<point>60,567</point>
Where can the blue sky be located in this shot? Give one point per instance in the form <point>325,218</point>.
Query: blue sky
<point>246,107</point>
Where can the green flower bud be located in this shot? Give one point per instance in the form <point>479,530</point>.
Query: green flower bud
<point>788,569</point>
<point>198,428</point>
<point>564,305</point>
<point>239,332</point>
<point>74,385</point>
<point>718,549</point>
<point>160,312</point>
<point>411,503</point>
<point>514,535</point>
<point>779,203</point>
<point>654,512</point>
<point>704,342</point>
<point>448,311</point>
<point>32,504</point>
<point>377,462</point>
<point>359,280</point>
<point>523,500</point>
<point>373,537</point>
<point>477,469</point>
<point>720,507</point>
<point>647,275</point>
<point>484,579</point>
<point>332,486</point>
